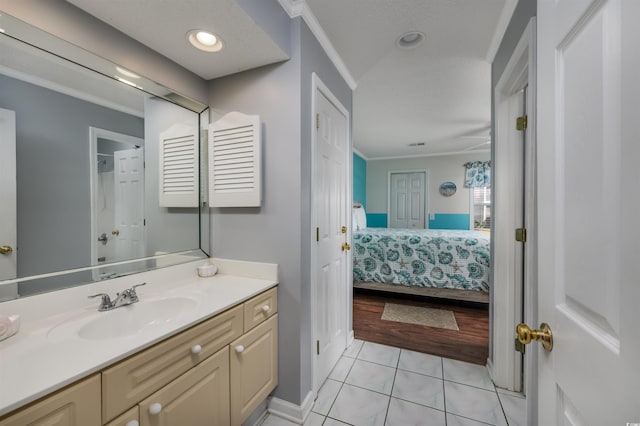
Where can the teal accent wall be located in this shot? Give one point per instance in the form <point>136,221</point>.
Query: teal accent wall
<point>376,220</point>
<point>450,221</point>
<point>360,179</point>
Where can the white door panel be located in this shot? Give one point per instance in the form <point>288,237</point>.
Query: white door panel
<point>589,94</point>
<point>8,213</point>
<point>129,203</point>
<point>407,200</point>
<point>331,208</point>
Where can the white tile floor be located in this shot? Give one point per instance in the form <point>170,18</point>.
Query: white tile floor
<point>375,384</point>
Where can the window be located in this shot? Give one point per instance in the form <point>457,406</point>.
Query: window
<point>481,202</point>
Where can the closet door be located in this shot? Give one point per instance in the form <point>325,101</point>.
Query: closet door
<point>407,200</point>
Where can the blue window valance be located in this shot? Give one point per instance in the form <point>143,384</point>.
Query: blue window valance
<point>478,174</point>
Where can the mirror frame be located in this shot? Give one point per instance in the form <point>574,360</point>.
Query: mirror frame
<point>36,38</point>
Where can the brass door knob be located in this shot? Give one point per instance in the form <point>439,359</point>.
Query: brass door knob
<point>346,246</point>
<point>6,249</point>
<point>115,232</point>
<point>526,335</point>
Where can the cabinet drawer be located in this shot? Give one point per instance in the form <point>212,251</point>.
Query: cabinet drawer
<point>134,379</point>
<point>253,363</point>
<point>76,405</point>
<point>199,397</point>
<point>127,418</point>
<point>261,307</point>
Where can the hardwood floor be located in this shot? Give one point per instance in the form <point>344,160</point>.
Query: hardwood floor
<point>470,343</point>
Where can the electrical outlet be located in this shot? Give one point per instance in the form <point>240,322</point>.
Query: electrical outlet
<point>432,216</point>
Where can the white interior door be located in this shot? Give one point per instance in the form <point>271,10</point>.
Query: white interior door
<point>8,224</point>
<point>129,203</point>
<point>331,207</point>
<point>589,205</point>
<point>407,200</point>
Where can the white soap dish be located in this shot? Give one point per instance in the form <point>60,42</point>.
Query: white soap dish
<point>207,270</point>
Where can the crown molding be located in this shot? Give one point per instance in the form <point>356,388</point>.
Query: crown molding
<point>301,8</point>
<point>360,154</point>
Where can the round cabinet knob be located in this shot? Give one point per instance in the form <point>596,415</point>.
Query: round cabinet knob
<point>266,309</point>
<point>154,409</point>
<point>196,349</point>
<point>239,349</point>
<point>133,423</point>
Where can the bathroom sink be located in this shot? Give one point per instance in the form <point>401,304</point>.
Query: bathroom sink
<point>128,320</point>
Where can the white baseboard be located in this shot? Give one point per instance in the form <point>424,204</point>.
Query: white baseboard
<point>350,338</point>
<point>292,412</point>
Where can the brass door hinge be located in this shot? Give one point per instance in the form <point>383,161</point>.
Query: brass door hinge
<point>520,347</point>
<point>521,235</point>
<point>521,123</point>
<point>317,121</point>
<point>317,234</point>
<point>318,347</point>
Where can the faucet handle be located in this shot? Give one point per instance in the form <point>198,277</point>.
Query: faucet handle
<point>138,285</point>
<point>105,303</point>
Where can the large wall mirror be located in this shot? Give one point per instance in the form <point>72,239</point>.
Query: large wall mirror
<point>86,150</point>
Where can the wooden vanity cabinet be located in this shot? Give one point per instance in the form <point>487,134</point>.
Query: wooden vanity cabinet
<point>78,404</point>
<point>214,373</point>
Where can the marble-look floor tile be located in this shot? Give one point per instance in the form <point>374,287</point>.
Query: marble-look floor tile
<point>418,388</point>
<point>473,403</point>
<point>418,362</point>
<point>404,413</point>
<point>375,377</point>
<point>515,408</point>
<point>272,420</point>
<point>353,349</point>
<point>314,419</point>
<point>341,369</point>
<point>333,422</point>
<point>467,374</point>
<point>453,420</point>
<point>380,354</point>
<point>326,395</point>
<point>358,406</point>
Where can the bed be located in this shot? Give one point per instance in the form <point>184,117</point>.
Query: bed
<point>453,264</point>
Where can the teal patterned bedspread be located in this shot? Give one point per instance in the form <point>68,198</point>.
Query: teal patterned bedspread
<point>422,257</point>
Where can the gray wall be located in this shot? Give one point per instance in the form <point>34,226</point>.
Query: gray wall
<point>525,10</point>
<point>279,231</point>
<point>168,229</point>
<point>64,20</point>
<point>52,150</point>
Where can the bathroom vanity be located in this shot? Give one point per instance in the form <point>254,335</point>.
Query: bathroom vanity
<point>192,351</point>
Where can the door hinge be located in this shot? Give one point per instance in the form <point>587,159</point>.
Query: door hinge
<point>318,347</point>
<point>521,235</point>
<point>520,347</point>
<point>521,123</point>
<point>317,234</point>
<point>317,121</point>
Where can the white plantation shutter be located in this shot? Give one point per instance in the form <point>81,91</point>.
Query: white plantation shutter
<point>235,161</point>
<point>178,179</point>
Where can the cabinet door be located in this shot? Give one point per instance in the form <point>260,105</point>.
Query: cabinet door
<point>200,397</point>
<point>130,418</point>
<point>78,405</point>
<point>254,368</point>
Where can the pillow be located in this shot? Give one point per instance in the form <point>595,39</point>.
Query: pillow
<point>360,218</point>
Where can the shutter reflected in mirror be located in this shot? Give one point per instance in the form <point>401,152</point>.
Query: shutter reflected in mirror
<point>178,181</point>
<point>234,161</point>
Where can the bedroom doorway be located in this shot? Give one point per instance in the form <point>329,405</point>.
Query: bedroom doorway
<point>330,217</point>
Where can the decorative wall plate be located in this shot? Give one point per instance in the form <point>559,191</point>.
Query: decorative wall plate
<point>447,189</point>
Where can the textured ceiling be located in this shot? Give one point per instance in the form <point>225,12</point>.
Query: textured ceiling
<point>438,93</point>
<point>163,25</point>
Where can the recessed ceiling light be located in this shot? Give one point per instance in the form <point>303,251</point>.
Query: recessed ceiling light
<point>410,40</point>
<point>204,40</point>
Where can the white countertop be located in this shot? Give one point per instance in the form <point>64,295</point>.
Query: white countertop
<point>44,356</point>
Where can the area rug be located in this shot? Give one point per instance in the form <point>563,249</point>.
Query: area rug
<point>439,318</point>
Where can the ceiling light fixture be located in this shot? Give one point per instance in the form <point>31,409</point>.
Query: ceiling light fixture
<point>204,40</point>
<point>410,39</point>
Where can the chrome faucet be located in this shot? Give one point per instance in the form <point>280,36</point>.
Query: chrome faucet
<point>125,297</point>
